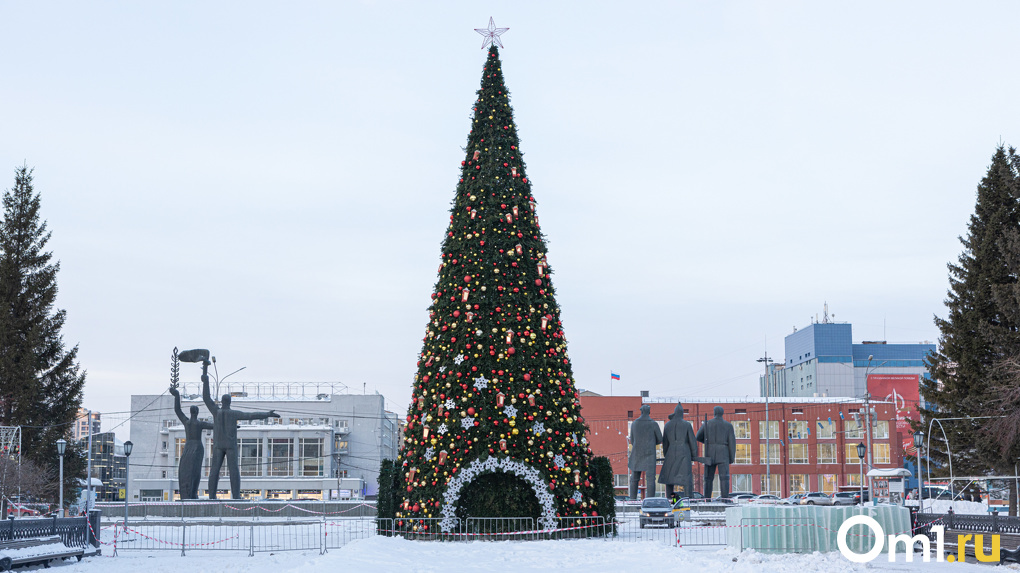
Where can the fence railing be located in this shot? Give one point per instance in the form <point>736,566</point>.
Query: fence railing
<point>992,523</point>
<point>238,509</point>
<point>73,531</point>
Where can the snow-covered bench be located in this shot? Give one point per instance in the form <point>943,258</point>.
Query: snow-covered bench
<point>35,550</point>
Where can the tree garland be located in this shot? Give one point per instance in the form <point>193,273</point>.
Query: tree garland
<point>492,465</point>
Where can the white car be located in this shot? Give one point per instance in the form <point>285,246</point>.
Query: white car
<point>768,499</point>
<point>816,498</point>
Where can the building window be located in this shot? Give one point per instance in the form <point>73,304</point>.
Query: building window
<point>798,430</point>
<point>826,430</point>
<point>621,480</point>
<point>798,453</point>
<point>851,454</point>
<point>740,482</point>
<point>630,414</point>
<point>853,480</point>
<point>827,454</point>
<point>743,454</point>
<point>281,450</point>
<point>852,429</point>
<point>880,454</point>
<point>773,486</point>
<point>798,483</point>
<point>773,430</point>
<point>773,457</point>
<point>881,430</point>
<point>742,429</point>
<point>178,453</point>
<point>311,457</point>
<point>251,456</point>
<point>150,495</point>
<point>827,483</point>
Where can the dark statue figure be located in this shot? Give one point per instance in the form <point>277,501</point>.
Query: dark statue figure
<point>224,428</point>
<point>679,448</point>
<point>644,436</point>
<point>189,472</point>
<point>720,451</point>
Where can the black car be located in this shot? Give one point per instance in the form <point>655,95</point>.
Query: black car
<point>656,511</point>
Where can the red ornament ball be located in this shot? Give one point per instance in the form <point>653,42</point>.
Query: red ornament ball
<point>467,278</point>
<point>510,351</point>
<point>471,411</point>
<point>538,282</point>
<point>527,377</point>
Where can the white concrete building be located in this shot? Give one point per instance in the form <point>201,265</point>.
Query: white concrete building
<point>325,445</point>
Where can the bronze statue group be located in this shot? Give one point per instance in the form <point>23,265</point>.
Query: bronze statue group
<point>224,427</point>
<point>680,451</point>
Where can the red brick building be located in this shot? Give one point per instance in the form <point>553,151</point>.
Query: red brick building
<point>813,441</point>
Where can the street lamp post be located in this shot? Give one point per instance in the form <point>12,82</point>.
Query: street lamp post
<point>61,448</point>
<point>861,449</point>
<point>128,446</point>
<point>918,441</point>
<point>768,453</point>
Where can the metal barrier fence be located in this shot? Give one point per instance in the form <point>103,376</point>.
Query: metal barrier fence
<point>238,509</point>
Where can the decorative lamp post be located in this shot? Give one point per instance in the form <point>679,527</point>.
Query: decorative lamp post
<point>128,446</point>
<point>918,441</point>
<point>61,449</point>
<point>861,450</point>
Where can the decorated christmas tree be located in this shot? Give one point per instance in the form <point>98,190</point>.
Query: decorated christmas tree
<point>495,426</point>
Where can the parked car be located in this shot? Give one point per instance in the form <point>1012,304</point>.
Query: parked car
<point>816,498</point>
<point>16,510</point>
<point>741,496</point>
<point>846,498</point>
<point>793,499</point>
<point>768,499</point>
<point>656,511</point>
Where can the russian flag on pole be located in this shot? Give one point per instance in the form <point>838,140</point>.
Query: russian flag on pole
<point>614,376</point>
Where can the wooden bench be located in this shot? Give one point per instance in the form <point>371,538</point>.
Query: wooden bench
<point>35,550</point>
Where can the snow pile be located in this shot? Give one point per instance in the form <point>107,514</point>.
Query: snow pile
<point>968,507</point>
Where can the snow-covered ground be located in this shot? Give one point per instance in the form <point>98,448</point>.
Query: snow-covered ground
<point>382,554</point>
<point>969,507</point>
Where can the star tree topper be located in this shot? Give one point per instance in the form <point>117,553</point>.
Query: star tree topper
<point>491,34</point>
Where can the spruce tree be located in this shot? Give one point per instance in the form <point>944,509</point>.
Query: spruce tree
<point>494,402</point>
<point>978,331</point>
<point>40,382</point>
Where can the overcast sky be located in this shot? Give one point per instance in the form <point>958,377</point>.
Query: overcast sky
<point>272,180</point>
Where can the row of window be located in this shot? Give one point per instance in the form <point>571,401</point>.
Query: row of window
<point>270,457</point>
<point>797,483</point>
<point>801,429</point>
<point>800,453</point>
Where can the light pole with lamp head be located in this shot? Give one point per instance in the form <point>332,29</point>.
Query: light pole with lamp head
<point>61,449</point>
<point>128,446</point>
<point>918,441</point>
<point>861,450</point>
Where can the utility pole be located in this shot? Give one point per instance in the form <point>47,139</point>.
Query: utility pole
<point>768,432</point>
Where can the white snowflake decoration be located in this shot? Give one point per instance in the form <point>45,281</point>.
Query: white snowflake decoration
<point>449,404</point>
<point>577,496</point>
<point>481,383</point>
<point>467,422</point>
<point>538,428</point>
<point>510,411</point>
<point>442,368</point>
<point>458,359</point>
<point>477,468</point>
<point>573,438</point>
<point>429,452</point>
<point>584,440</point>
<point>442,429</point>
<point>559,461</point>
